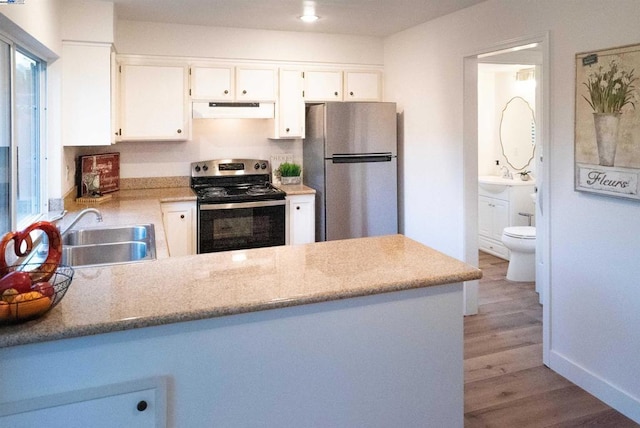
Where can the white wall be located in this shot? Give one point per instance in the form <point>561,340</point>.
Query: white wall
<point>88,21</point>
<point>594,291</point>
<point>134,37</point>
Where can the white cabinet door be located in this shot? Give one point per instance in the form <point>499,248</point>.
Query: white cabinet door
<point>485,216</point>
<point>120,405</point>
<point>86,94</point>
<point>289,121</point>
<point>301,219</point>
<point>500,218</point>
<point>255,84</point>
<point>322,85</point>
<point>493,217</point>
<point>153,103</point>
<point>212,83</point>
<point>362,86</point>
<point>179,227</point>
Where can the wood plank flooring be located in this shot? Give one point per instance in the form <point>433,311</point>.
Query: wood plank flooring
<point>506,384</point>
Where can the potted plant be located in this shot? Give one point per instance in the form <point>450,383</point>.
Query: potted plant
<point>609,91</point>
<point>524,175</point>
<point>290,173</point>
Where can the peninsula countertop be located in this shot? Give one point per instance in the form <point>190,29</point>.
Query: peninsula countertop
<point>173,289</point>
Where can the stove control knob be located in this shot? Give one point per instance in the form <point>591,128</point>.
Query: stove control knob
<point>205,168</point>
<point>256,166</point>
<point>197,168</point>
<point>263,165</point>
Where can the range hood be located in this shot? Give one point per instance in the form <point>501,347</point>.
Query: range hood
<point>226,110</point>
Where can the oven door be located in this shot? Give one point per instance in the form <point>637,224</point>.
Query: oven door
<point>242,225</point>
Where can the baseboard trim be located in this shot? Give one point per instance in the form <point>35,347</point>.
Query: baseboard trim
<point>613,396</point>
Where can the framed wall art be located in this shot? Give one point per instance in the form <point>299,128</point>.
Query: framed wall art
<point>607,122</point>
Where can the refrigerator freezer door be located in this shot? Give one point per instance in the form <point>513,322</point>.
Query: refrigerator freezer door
<point>361,199</point>
<point>360,128</point>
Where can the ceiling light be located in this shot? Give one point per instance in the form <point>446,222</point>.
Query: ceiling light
<point>308,11</point>
<point>309,18</point>
<point>526,74</point>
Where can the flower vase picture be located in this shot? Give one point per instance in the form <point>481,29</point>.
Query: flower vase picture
<point>607,125</point>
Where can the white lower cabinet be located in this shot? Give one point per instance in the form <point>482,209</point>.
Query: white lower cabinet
<point>132,404</point>
<point>179,220</point>
<point>300,219</point>
<point>493,217</point>
<point>500,207</point>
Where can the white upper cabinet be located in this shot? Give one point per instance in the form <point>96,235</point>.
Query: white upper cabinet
<point>342,85</point>
<point>289,121</point>
<point>256,84</point>
<point>228,83</point>
<point>154,102</point>
<point>86,94</point>
<point>322,85</point>
<point>212,83</point>
<point>362,86</point>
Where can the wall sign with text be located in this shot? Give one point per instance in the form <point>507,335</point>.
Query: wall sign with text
<point>607,122</point>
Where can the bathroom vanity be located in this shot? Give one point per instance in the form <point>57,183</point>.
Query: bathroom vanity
<point>502,202</point>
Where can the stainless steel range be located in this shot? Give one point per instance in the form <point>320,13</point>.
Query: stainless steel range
<point>238,207</point>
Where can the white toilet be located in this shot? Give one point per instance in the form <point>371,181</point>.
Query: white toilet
<point>521,242</point>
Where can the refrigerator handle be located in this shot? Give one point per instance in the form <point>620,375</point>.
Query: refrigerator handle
<point>362,158</point>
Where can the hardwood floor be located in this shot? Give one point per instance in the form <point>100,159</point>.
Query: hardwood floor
<point>506,384</point>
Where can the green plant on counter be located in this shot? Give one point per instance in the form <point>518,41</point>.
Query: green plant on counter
<point>523,173</point>
<point>289,169</point>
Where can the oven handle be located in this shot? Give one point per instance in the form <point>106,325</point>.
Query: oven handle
<point>238,205</point>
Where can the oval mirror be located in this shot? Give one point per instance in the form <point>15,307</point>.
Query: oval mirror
<point>517,133</point>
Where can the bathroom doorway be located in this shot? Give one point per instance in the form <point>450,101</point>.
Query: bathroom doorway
<point>513,71</point>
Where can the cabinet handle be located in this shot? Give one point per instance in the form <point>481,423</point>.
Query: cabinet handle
<point>142,406</point>
<point>226,91</point>
<point>351,93</point>
<point>179,131</point>
<point>287,130</point>
<point>297,208</point>
<point>244,92</point>
<point>182,216</point>
<point>335,93</point>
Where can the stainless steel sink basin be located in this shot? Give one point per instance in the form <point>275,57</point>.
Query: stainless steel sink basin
<point>109,245</point>
<point>104,235</point>
<point>106,254</point>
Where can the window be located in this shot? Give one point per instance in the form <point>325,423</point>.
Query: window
<point>21,147</point>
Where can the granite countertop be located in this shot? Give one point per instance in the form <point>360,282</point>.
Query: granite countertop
<point>168,290</point>
<point>296,189</point>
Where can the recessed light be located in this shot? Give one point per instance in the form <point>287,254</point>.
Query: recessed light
<point>309,18</point>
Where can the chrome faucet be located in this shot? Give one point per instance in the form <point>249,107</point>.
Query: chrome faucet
<point>78,217</point>
<point>505,172</point>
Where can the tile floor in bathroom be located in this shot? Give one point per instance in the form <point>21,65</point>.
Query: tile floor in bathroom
<point>506,384</point>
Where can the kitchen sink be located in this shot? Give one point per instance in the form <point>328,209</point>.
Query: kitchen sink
<point>109,245</point>
<point>105,235</point>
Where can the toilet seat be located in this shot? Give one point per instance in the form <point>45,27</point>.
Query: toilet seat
<point>520,232</point>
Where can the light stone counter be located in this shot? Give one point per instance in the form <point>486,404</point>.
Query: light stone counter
<point>169,290</point>
<point>296,189</point>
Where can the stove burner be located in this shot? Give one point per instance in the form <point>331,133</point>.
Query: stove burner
<point>214,192</point>
<point>259,190</point>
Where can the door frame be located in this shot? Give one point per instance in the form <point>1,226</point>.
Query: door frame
<point>470,177</point>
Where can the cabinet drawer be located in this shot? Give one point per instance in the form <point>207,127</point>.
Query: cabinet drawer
<point>493,247</point>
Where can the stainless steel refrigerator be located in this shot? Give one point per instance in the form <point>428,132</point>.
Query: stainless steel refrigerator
<point>350,159</point>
